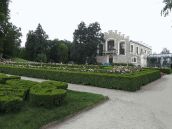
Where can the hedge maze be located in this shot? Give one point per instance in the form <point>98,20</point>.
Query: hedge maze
<point>14,93</point>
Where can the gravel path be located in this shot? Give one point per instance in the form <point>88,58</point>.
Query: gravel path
<point>149,108</point>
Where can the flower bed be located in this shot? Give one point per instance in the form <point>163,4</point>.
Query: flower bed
<point>79,68</point>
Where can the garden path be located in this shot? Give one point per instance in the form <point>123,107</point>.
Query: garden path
<point>148,108</point>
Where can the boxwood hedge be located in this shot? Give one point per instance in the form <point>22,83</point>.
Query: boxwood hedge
<point>46,96</point>
<point>14,92</point>
<point>55,84</point>
<point>129,82</point>
<point>163,70</point>
<point>10,103</point>
<point>4,78</point>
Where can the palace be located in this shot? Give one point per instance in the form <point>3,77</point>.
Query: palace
<point>118,48</point>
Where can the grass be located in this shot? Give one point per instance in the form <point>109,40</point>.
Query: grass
<point>33,117</point>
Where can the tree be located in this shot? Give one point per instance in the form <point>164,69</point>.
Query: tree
<point>36,43</point>
<point>62,53</point>
<point>11,40</point>
<point>85,42</point>
<point>167,8</point>
<point>9,33</point>
<point>59,51</point>
<point>165,51</point>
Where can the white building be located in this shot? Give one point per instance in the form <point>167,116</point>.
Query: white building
<point>118,48</point>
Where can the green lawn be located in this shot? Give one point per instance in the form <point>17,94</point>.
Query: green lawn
<point>33,118</point>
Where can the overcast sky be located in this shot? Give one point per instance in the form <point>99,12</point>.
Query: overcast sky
<point>139,19</point>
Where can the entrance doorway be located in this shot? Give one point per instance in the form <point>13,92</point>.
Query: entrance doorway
<point>110,59</point>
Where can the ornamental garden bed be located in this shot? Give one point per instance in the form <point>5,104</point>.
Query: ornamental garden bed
<point>131,81</point>
<point>30,105</point>
<point>15,92</point>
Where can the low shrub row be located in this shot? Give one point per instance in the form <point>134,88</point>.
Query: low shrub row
<point>4,78</point>
<point>129,82</point>
<point>163,70</point>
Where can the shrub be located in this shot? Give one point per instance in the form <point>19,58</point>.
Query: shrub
<point>129,82</point>
<point>11,91</point>
<point>55,84</point>
<point>10,103</point>
<point>46,97</point>
<point>21,83</point>
<point>166,70</point>
<point>163,70</point>
<point>4,78</point>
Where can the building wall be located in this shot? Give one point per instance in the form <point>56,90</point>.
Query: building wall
<point>128,57</point>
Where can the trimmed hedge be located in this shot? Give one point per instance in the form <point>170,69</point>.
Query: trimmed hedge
<point>4,78</point>
<point>55,84</point>
<point>163,70</point>
<point>22,85</point>
<point>166,70</point>
<point>46,96</point>
<point>10,103</point>
<point>129,82</point>
<point>14,92</point>
<point>22,93</point>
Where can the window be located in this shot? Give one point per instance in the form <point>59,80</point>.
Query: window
<point>137,50</point>
<point>131,48</point>
<point>111,45</point>
<point>145,52</point>
<point>122,48</point>
<point>134,59</point>
<point>141,51</point>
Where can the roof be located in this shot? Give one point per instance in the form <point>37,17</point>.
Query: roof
<point>144,45</point>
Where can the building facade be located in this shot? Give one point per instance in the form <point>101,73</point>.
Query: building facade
<point>118,48</point>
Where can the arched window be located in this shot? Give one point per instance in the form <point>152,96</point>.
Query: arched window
<point>122,48</point>
<point>110,45</point>
<point>134,59</point>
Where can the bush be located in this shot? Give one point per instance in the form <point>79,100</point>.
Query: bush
<point>46,94</point>
<point>55,84</point>
<point>166,70</point>
<point>163,70</point>
<point>47,97</point>
<point>10,103</point>
<point>4,78</point>
<point>129,82</point>
<point>21,83</point>
<point>11,91</point>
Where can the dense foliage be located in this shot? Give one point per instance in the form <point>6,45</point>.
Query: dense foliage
<point>167,8</point>
<point>82,50</point>
<point>129,82</point>
<point>39,48</point>
<point>9,33</point>
<point>85,42</point>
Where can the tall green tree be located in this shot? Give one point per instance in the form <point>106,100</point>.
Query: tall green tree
<point>59,51</point>
<point>167,8</point>
<point>11,41</point>
<point>36,43</point>
<point>85,42</point>
<point>9,33</point>
<point>62,53</point>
